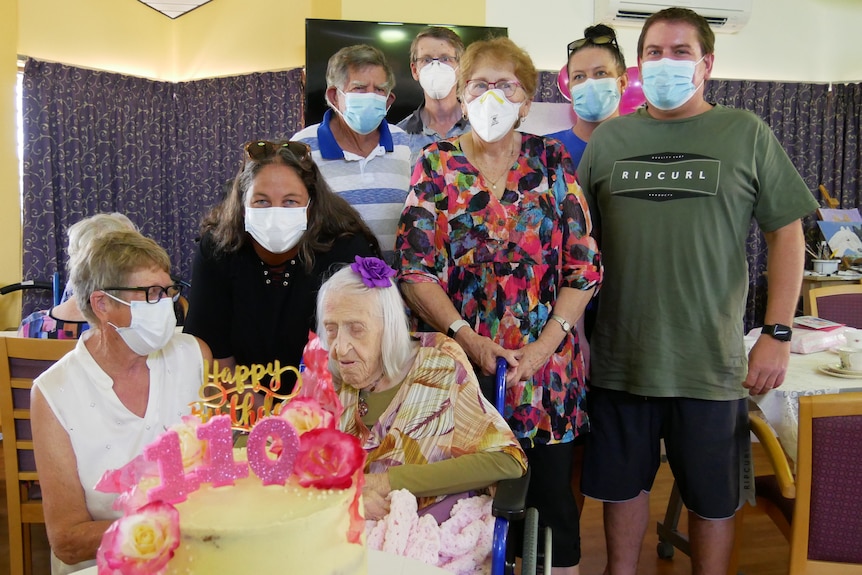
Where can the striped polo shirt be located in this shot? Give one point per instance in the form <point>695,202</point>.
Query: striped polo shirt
<point>376,185</point>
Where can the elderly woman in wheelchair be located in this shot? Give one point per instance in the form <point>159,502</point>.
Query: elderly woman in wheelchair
<point>412,399</point>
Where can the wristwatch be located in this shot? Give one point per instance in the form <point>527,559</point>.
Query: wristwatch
<point>778,331</point>
<point>456,325</point>
<point>567,327</point>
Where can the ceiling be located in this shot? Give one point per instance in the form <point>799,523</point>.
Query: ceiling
<point>174,8</point>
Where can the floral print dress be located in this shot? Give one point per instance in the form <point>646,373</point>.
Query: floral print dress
<point>503,261</point>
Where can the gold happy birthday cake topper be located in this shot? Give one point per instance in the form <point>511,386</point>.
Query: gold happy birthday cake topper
<point>241,394</point>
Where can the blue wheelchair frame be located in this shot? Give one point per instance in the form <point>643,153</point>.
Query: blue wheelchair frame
<point>510,505</point>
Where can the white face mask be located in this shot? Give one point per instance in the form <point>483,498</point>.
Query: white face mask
<point>152,325</point>
<point>277,230</point>
<point>437,80</point>
<point>492,115</point>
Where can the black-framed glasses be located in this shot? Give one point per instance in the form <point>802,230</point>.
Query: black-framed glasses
<point>448,60</point>
<point>153,293</point>
<point>264,149</point>
<point>576,45</point>
<point>478,87</point>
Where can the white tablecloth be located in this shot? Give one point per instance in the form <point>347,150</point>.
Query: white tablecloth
<point>781,406</point>
<point>379,563</point>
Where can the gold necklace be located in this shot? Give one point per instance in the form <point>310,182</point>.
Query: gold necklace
<point>482,171</point>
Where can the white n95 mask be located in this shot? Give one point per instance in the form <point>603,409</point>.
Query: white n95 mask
<point>437,79</point>
<point>492,115</point>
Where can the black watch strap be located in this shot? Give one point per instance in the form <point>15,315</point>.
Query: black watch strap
<point>779,331</point>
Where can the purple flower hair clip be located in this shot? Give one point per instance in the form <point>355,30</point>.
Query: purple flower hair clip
<point>375,273</point>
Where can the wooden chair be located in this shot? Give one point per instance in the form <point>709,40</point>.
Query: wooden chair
<point>826,532</point>
<point>775,492</point>
<point>21,361</point>
<point>841,303</point>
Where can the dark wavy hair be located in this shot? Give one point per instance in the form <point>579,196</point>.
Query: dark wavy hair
<point>329,215</point>
<point>598,31</point>
<point>705,35</point>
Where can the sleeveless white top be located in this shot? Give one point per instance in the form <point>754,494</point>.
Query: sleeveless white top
<point>104,434</point>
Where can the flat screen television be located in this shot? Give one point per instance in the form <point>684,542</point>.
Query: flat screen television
<point>323,38</point>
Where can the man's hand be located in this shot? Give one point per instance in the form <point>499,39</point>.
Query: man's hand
<point>767,364</point>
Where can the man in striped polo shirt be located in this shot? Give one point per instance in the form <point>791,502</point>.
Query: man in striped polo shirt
<point>362,157</point>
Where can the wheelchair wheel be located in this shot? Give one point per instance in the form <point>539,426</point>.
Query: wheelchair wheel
<point>531,542</point>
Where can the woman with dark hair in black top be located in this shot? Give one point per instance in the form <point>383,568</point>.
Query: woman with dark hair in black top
<point>263,254</point>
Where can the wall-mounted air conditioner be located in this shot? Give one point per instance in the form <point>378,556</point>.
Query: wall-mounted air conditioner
<point>722,15</point>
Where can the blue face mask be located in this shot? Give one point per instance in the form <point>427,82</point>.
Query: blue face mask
<point>363,112</point>
<point>667,83</point>
<point>595,100</point>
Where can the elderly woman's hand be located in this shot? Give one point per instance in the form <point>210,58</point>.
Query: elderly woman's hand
<point>531,357</point>
<point>483,351</point>
<point>375,495</point>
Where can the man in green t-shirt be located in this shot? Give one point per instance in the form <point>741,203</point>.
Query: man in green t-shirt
<point>672,191</point>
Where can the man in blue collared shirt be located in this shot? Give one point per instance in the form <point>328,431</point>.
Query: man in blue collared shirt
<point>434,57</point>
<point>361,156</point>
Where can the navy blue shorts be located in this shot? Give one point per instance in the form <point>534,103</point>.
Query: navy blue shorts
<point>707,443</point>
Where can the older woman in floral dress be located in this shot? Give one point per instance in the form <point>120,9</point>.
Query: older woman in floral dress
<point>495,248</point>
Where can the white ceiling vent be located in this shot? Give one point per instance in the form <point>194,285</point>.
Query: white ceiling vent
<point>722,15</point>
<point>174,8</point>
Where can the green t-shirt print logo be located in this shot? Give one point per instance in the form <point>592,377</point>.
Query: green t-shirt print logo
<point>666,176</point>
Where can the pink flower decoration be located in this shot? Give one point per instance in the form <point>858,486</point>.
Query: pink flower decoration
<point>327,459</point>
<point>317,379</point>
<point>373,271</point>
<point>305,414</point>
<point>142,543</point>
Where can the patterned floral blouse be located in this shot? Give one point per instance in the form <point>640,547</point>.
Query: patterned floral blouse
<point>502,263</point>
<point>438,413</point>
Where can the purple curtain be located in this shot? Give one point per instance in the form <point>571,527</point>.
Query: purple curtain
<point>159,152</point>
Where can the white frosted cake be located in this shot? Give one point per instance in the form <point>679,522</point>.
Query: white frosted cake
<point>288,503</point>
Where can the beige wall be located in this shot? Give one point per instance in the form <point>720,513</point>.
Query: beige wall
<point>10,211</point>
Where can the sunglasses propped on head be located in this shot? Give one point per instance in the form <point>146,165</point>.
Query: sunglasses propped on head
<point>576,45</point>
<point>260,150</point>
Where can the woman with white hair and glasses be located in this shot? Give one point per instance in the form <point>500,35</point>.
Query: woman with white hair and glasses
<point>414,402</point>
<point>65,321</point>
<point>129,377</point>
<point>263,253</point>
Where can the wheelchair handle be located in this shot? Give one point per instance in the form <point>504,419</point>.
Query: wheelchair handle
<point>500,385</point>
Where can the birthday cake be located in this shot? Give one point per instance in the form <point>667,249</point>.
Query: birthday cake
<point>286,503</point>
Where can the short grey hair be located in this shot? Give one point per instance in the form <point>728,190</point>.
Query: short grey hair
<point>82,232</point>
<point>397,345</point>
<point>356,57</point>
<point>109,261</point>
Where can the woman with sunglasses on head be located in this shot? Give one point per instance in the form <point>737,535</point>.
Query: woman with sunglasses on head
<point>129,377</point>
<point>495,250</point>
<point>262,254</point>
<point>597,80</point>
